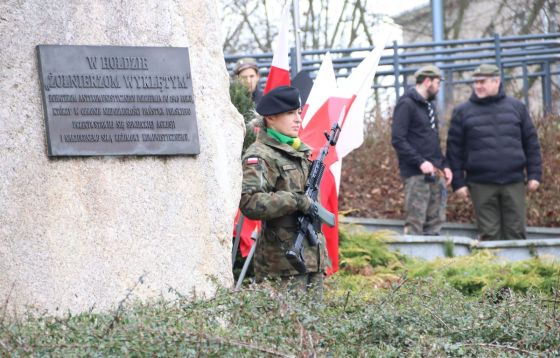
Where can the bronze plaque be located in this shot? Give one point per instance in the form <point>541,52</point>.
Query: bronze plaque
<point>113,100</point>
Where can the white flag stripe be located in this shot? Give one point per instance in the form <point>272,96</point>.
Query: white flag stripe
<point>282,44</point>
<point>323,87</point>
<point>336,170</point>
<point>363,74</point>
<point>352,134</point>
<point>359,84</point>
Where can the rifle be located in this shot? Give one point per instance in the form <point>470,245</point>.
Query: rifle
<point>310,224</point>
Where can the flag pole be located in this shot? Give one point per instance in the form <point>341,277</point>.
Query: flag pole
<point>238,229</point>
<point>255,236</point>
<point>296,34</point>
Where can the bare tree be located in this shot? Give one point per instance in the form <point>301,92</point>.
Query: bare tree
<point>482,18</point>
<point>249,28</point>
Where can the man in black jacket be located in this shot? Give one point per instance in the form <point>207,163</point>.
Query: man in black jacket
<point>491,143</point>
<point>415,137</point>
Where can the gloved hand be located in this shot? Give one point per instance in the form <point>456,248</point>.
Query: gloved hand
<point>304,203</point>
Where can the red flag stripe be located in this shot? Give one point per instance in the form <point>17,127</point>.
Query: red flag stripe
<point>329,200</point>
<point>312,135</point>
<point>277,77</point>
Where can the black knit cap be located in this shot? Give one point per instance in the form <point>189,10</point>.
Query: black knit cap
<point>279,100</point>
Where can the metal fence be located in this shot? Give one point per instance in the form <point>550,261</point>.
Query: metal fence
<point>531,61</point>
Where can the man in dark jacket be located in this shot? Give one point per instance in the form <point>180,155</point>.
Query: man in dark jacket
<point>415,137</point>
<point>491,143</point>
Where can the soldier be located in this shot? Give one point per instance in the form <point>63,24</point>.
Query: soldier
<point>415,137</point>
<point>275,169</point>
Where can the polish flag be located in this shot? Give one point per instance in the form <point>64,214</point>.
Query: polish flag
<point>317,114</point>
<point>326,104</point>
<point>279,74</point>
<point>357,88</point>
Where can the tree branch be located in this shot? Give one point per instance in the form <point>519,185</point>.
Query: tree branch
<point>340,20</point>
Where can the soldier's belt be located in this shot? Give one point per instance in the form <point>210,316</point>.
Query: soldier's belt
<point>286,222</point>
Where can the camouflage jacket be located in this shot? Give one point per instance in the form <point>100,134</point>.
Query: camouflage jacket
<point>272,172</point>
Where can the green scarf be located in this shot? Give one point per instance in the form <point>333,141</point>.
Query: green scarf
<point>295,142</point>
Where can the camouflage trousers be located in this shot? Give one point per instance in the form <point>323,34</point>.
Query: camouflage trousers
<point>425,203</point>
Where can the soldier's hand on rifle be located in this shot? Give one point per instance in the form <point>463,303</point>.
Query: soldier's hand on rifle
<point>303,202</point>
<point>320,214</point>
<point>314,210</point>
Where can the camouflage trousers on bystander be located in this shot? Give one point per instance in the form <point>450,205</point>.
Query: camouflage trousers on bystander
<point>425,200</point>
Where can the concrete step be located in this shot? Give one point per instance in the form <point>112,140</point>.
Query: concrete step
<point>449,229</point>
<point>460,240</point>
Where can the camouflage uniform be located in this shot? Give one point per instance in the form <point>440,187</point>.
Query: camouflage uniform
<point>425,203</point>
<point>274,176</point>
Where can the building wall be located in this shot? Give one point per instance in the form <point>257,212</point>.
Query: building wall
<point>482,19</point>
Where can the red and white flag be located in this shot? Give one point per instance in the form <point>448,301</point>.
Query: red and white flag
<point>324,86</point>
<point>279,74</point>
<point>357,88</point>
<point>324,106</point>
<point>317,112</point>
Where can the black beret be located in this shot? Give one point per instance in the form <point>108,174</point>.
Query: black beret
<point>279,100</point>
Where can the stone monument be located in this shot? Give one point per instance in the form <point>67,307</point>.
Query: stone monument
<point>81,232</point>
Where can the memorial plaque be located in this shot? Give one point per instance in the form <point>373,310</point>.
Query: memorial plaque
<point>113,100</point>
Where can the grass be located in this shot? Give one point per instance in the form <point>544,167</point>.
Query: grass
<point>367,254</point>
<point>412,317</point>
<point>379,304</point>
